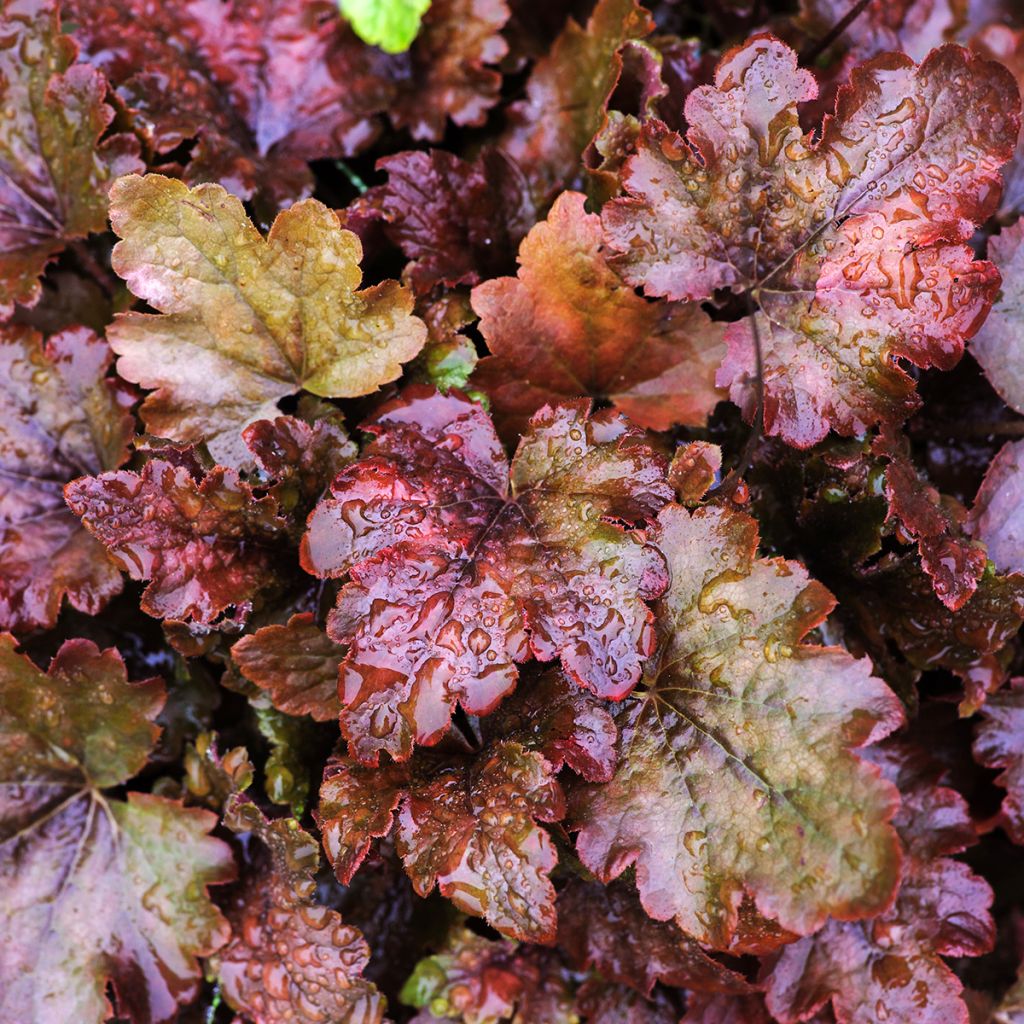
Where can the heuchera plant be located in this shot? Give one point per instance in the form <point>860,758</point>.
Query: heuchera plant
<point>497,520</point>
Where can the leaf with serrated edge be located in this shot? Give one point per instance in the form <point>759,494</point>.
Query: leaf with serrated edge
<point>95,889</point>
<point>736,771</point>
<point>852,246</point>
<point>462,566</point>
<point>245,320</point>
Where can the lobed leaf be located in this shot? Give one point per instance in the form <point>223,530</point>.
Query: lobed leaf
<point>568,326</point>
<point>55,170</point>
<point>852,247</point>
<point>891,968</point>
<point>205,546</point>
<point>95,889</point>
<point>999,743</point>
<point>245,321</point>
<point>60,416</point>
<point>468,826</point>
<point>736,772</point>
<point>463,566</point>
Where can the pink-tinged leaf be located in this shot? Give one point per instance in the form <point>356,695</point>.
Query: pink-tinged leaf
<point>569,326</point>
<point>553,716</point>
<point>55,172</point>
<point>246,320</point>
<point>604,928</point>
<point>296,664</point>
<point>462,566</point>
<point>998,346</point>
<point>95,889</point>
<point>456,222</point>
<point>60,416</point>
<point>703,1008</point>
<point>468,826</point>
<point>450,70</point>
<point>1006,45</point>
<point>951,559</point>
<point>566,97</point>
<point>205,546</point>
<point>289,958</point>
<point>737,773</point>
<point>263,86</point>
<point>852,246</point>
<point>890,968</point>
<point>694,470</point>
<point>1000,744</point>
<point>997,518</point>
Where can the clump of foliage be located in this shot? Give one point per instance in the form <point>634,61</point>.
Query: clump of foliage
<point>497,519</point>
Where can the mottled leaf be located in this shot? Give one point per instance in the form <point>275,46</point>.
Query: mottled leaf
<point>999,743</point>
<point>568,325</point>
<point>604,928</point>
<point>463,566</point>
<point>694,470</point>
<point>54,173</point>
<point>890,968</point>
<point>60,416</point>
<point>95,889</point>
<point>851,246</point>
<point>245,320</point>
<point>467,825</point>
<point>736,771</point>
<point>205,546</point>
<point>296,664</point>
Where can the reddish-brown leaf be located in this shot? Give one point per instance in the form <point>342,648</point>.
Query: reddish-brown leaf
<point>457,222</point>
<point>205,546</point>
<point>463,566</point>
<point>450,70</point>
<point>95,889</point>
<point>60,416</point>
<point>694,470</point>
<point>296,664</point>
<point>948,555</point>
<point>289,959</point>
<point>1000,744</point>
<point>468,826</point>
<point>263,85</point>
<point>890,968</point>
<point>852,247</point>
<point>566,96</point>
<point>568,325</point>
<point>553,716</point>
<point>1006,45</point>
<point>55,173</point>
<point>737,773</point>
<point>604,928</point>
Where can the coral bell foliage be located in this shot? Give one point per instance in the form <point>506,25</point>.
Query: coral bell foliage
<point>511,512</point>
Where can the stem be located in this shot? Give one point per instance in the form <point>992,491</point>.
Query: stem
<point>837,30</point>
<point>353,178</point>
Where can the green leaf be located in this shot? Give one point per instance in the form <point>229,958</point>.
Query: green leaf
<point>390,24</point>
